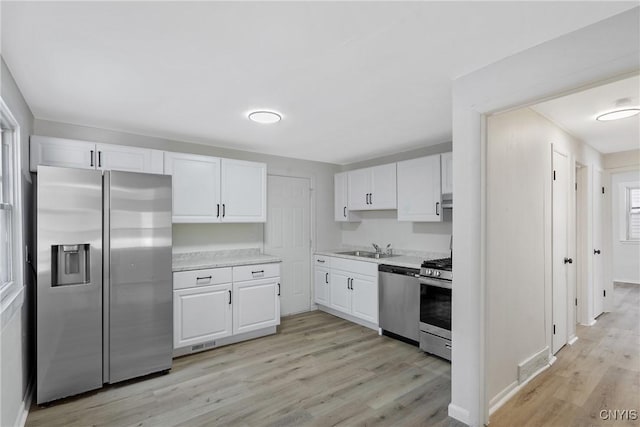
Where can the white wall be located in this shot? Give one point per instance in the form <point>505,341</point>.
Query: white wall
<point>17,329</point>
<point>626,255</point>
<point>382,227</point>
<point>202,237</point>
<point>519,236</point>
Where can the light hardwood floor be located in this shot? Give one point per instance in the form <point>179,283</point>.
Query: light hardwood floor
<point>318,370</point>
<point>600,371</point>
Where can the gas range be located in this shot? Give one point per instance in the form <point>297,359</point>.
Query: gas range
<point>439,269</point>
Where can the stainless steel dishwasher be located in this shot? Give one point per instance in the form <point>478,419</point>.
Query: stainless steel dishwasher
<point>399,302</point>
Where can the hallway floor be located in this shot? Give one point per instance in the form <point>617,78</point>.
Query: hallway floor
<point>601,371</point>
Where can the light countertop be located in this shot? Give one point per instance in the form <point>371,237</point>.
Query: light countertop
<point>403,259</point>
<point>217,259</point>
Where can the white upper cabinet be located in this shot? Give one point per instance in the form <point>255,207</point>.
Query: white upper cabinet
<point>71,153</point>
<point>447,173</point>
<point>383,187</point>
<point>208,189</point>
<point>341,199</point>
<point>129,159</point>
<point>244,191</point>
<point>196,187</point>
<point>372,188</point>
<point>61,152</point>
<point>419,195</point>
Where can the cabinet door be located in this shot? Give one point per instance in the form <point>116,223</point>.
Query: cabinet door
<point>358,189</point>
<point>339,292</point>
<point>382,191</point>
<point>341,199</point>
<point>201,314</point>
<point>419,197</point>
<point>364,299</point>
<point>196,187</point>
<point>446,160</point>
<point>322,286</point>
<point>128,159</point>
<point>256,304</point>
<point>67,153</point>
<point>244,191</point>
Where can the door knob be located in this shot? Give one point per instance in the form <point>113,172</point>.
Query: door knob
<point>568,261</point>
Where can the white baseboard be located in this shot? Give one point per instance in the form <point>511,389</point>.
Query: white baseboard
<point>458,413</point>
<point>593,322</point>
<point>509,391</point>
<point>573,340</point>
<point>21,419</point>
<point>630,282</point>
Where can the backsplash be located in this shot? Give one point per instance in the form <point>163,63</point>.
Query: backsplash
<point>382,227</point>
<point>216,237</point>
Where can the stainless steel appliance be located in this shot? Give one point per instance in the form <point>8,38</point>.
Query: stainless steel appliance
<point>435,307</point>
<point>399,298</point>
<point>104,292</point>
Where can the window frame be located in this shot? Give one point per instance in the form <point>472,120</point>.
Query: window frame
<point>629,212</point>
<point>14,287</point>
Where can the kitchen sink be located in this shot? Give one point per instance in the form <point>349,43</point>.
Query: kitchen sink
<point>367,254</point>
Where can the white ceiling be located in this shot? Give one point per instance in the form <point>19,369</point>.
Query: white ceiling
<point>576,113</point>
<point>353,80</point>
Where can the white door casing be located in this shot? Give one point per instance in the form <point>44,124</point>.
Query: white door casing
<point>598,244</point>
<point>287,236</point>
<point>560,250</point>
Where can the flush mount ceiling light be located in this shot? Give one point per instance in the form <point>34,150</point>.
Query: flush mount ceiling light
<point>622,111</point>
<point>618,114</point>
<point>265,117</point>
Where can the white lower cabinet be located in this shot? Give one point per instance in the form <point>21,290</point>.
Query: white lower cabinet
<point>321,285</point>
<point>347,286</point>
<point>201,314</point>
<point>340,294</point>
<point>256,305</point>
<point>206,309</point>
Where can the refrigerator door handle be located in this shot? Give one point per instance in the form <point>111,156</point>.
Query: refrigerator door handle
<point>106,272</point>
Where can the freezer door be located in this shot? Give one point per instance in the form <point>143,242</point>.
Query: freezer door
<point>69,282</point>
<point>140,315</point>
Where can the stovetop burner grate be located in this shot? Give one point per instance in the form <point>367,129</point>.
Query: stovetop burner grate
<point>439,264</point>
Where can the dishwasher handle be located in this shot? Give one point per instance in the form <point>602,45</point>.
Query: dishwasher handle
<point>394,269</point>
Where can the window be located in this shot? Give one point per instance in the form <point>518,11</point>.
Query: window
<point>633,213</point>
<point>6,211</point>
<point>10,205</point>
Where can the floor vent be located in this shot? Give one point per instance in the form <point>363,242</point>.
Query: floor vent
<point>198,347</point>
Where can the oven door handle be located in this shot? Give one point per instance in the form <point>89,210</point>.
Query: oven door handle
<point>434,282</point>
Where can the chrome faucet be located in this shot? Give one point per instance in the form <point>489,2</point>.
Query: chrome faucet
<point>377,248</point>
<point>388,250</point>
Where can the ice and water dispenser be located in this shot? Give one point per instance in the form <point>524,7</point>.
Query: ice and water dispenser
<point>70,264</point>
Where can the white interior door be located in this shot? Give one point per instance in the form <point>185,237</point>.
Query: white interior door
<point>560,250</point>
<point>596,251</point>
<point>287,235</point>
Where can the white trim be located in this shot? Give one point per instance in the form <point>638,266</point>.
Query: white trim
<point>631,281</point>
<point>572,340</point>
<point>23,413</point>
<point>528,367</point>
<point>348,317</point>
<point>593,322</point>
<point>460,414</point>
<point>513,388</point>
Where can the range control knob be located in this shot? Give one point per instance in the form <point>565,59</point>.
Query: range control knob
<point>429,272</point>
<point>437,274</point>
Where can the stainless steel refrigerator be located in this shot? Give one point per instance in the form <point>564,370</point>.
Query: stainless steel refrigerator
<point>104,298</point>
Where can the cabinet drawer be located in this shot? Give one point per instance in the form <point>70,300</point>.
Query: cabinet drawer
<point>194,278</point>
<point>353,266</point>
<point>256,271</point>
<point>322,261</point>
